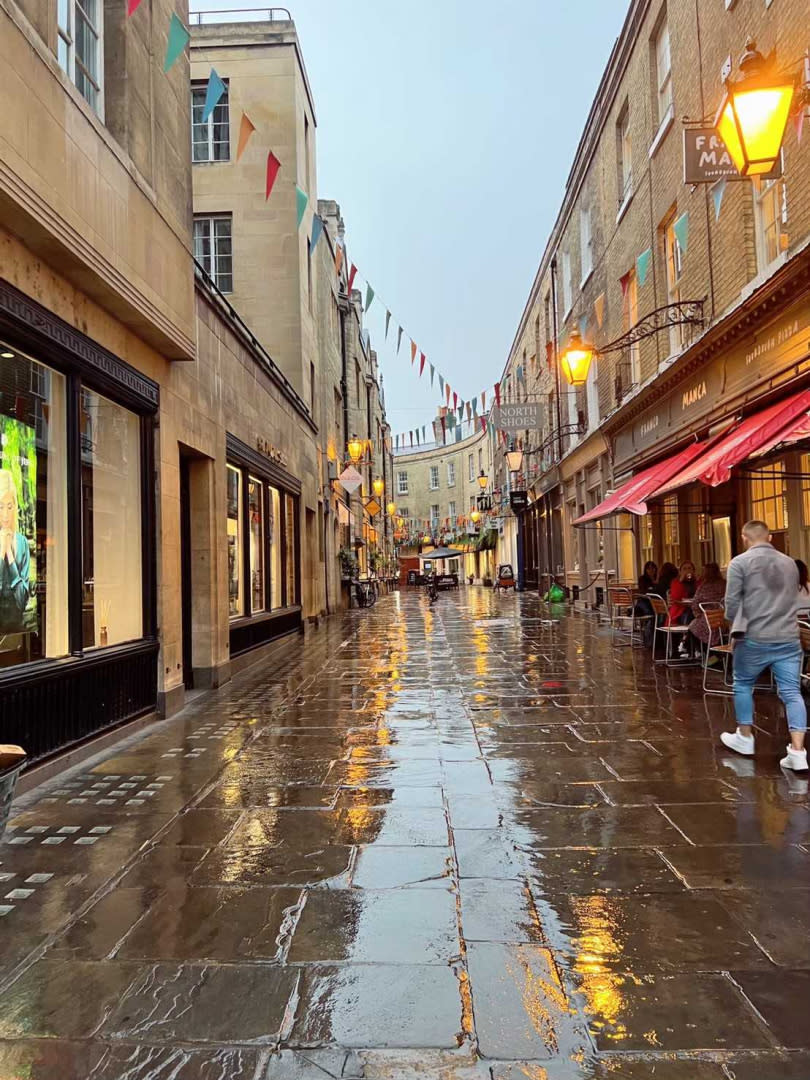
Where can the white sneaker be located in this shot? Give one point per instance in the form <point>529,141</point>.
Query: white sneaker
<point>742,744</point>
<point>796,760</point>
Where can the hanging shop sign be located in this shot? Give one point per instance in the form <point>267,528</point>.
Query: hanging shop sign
<point>517,416</point>
<point>706,159</point>
<point>518,501</point>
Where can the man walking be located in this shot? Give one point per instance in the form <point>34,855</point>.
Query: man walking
<point>762,597</point>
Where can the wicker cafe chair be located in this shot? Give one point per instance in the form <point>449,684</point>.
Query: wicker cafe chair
<point>715,616</point>
<point>670,633</point>
<point>624,622</point>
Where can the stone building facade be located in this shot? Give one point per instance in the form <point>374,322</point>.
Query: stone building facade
<point>631,238</point>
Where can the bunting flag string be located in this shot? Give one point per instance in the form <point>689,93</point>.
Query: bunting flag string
<point>213,93</point>
<point>273,166</point>
<point>246,129</point>
<point>387,322</point>
<point>317,229</point>
<point>599,309</point>
<point>413,351</point>
<point>718,190</point>
<point>179,37</point>
<point>643,265</point>
<point>302,201</point>
<point>369,297</point>
<point>352,274</point>
<point>681,230</point>
<point>399,339</point>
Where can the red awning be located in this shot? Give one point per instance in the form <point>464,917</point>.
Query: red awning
<point>631,497</point>
<point>783,422</point>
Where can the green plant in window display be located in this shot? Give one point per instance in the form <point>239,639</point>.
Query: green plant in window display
<point>18,494</point>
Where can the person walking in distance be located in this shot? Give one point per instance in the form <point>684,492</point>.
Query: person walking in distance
<point>762,597</point>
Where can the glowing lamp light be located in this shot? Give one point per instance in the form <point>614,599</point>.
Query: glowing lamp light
<point>377,486</point>
<point>483,480</point>
<point>400,522</point>
<point>475,517</point>
<point>354,448</point>
<point>514,459</point>
<point>753,115</point>
<point>576,360</point>
<point>391,508</point>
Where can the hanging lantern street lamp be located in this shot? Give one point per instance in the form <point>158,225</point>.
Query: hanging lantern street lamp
<point>475,517</point>
<point>514,459</point>
<point>754,113</point>
<point>576,360</point>
<point>378,486</point>
<point>400,522</point>
<point>483,480</point>
<point>391,508</point>
<point>355,448</point>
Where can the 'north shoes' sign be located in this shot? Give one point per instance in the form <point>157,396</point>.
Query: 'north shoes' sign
<point>517,416</point>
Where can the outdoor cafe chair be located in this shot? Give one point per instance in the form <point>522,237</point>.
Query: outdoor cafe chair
<point>624,621</point>
<point>671,634</point>
<point>715,616</point>
<point>804,638</point>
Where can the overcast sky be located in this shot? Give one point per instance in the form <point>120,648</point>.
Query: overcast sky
<point>446,131</point>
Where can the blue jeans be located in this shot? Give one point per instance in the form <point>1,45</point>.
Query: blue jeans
<point>784,658</point>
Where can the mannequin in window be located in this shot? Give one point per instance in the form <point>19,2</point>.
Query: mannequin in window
<point>15,560</point>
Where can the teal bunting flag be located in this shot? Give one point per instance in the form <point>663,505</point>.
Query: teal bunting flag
<point>461,412</point>
<point>643,265</point>
<point>718,191</point>
<point>397,442</point>
<point>317,229</point>
<point>681,230</point>
<point>451,420</point>
<point>475,406</point>
<point>301,201</point>
<point>387,321</point>
<point>432,373</point>
<point>441,384</point>
<point>583,325</point>
<point>423,432</point>
<point>369,297</point>
<point>214,91</point>
<point>179,37</point>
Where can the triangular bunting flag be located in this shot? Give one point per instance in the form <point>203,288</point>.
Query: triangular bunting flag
<point>469,411</point>
<point>643,265</point>
<point>352,274</point>
<point>599,309</point>
<point>246,129</point>
<point>369,296</point>
<point>423,432</point>
<point>213,92</point>
<point>317,229</point>
<point>132,7</point>
<point>413,351</point>
<point>455,400</point>
<point>475,405</point>
<point>273,166</point>
<point>624,281</point>
<point>441,384</point>
<point>387,321</point>
<point>432,373</point>
<point>718,190</point>
<point>301,201</point>
<point>421,364</point>
<point>484,424</point>
<point>447,392</point>
<point>338,259</point>
<point>397,442</point>
<point>583,325</point>
<point>411,435</point>
<point>399,339</point>
<point>179,37</point>
<point>417,436</point>
<point>483,399</point>
<point>497,393</point>
<point>681,230</point>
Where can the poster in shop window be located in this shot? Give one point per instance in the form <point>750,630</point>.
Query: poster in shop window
<point>18,511</point>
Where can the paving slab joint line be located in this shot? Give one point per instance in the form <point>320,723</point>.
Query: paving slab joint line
<point>763,1023</point>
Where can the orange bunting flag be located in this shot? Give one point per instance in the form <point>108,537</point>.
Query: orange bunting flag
<point>599,308</point>
<point>447,392</point>
<point>246,129</point>
<point>273,165</point>
<point>352,272</point>
<point>413,351</point>
<point>338,259</point>
<point>483,400</point>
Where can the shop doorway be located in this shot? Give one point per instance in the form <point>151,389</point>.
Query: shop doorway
<point>198,540</point>
<point>185,569</point>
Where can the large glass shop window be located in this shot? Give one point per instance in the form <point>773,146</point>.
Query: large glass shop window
<point>33,511</point>
<point>111,522</point>
<point>234,496</point>
<point>289,543</point>
<point>255,509</point>
<point>275,548</point>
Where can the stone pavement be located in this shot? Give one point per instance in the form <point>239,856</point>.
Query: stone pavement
<point>460,843</point>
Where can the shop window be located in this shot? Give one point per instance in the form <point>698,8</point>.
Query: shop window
<point>647,541</point>
<point>768,213</point>
<point>274,536</point>
<point>111,522</point>
<point>769,497</point>
<point>256,513</point>
<point>33,511</point>
<point>672,537</point>
<point>234,497</point>
<point>79,47</point>
<point>291,594</point>
<point>213,249</point>
<point>805,470</point>
<point>210,138</point>
<point>626,549</point>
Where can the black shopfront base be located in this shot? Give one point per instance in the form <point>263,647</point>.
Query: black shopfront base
<point>247,634</point>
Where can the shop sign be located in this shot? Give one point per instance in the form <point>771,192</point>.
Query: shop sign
<point>518,501</point>
<point>768,352</point>
<point>706,159</point>
<point>517,416</point>
<point>270,451</point>
<point>351,479</point>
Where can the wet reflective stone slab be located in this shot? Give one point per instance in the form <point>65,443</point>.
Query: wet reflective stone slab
<point>742,824</point>
<point>499,911</point>
<point>396,867</point>
<point>605,827</point>
<point>588,871</point>
<point>748,867</point>
<point>669,793</point>
<point>279,865</point>
<point>781,998</point>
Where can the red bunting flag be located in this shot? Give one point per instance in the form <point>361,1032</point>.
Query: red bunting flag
<point>444,427</point>
<point>624,281</point>
<point>455,400</point>
<point>413,351</point>
<point>352,273</point>
<point>273,165</point>
<point>484,424</point>
<point>497,393</point>
<point>132,7</point>
<point>421,364</point>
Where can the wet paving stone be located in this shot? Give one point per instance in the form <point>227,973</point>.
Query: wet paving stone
<point>469,846</point>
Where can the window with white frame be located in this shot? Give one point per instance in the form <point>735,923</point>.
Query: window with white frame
<point>673,253</point>
<point>451,474</point>
<point>213,249</point>
<point>210,138</point>
<point>404,512</point>
<point>769,212</point>
<point>592,395</point>
<point>663,71</point>
<point>80,48</point>
<point>568,291</point>
<point>451,510</point>
<point>402,484</point>
<point>480,462</point>
<point>434,477</point>
<point>434,515</point>
<point>624,155</point>
<point>471,468</point>
<point>585,241</point>
<point>629,320</point>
